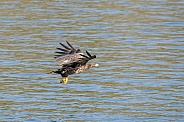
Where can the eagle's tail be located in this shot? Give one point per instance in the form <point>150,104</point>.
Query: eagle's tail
<point>54,71</point>
<point>58,71</point>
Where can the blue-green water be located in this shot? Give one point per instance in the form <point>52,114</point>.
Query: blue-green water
<point>139,47</point>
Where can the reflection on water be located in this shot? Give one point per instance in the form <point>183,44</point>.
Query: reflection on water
<point>139,45</point>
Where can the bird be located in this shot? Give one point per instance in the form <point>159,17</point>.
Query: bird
<point>72,61</point>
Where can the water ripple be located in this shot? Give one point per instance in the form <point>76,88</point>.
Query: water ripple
<point>139,47</point>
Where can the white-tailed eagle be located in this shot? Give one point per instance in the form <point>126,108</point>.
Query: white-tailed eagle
<point>72,61</point>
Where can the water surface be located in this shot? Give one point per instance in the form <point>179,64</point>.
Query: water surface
<point>139,47</point>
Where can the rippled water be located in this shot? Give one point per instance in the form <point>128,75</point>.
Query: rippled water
<point>140,49</point>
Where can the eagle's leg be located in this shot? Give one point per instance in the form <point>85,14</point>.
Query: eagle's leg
<point>64,80</point>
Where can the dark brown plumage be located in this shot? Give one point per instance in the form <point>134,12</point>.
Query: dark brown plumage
<point>72,61</point>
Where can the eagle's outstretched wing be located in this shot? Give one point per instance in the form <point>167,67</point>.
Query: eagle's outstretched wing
<point>80,61</point>
<point>67,54</point>
<point>77,66</point>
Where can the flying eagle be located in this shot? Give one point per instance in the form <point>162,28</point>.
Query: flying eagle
<point>72,61</point>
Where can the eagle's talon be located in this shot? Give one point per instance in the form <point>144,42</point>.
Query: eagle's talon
<point>64,80</point>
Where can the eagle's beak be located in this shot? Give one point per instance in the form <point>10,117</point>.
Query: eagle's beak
<point>64,80</point>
